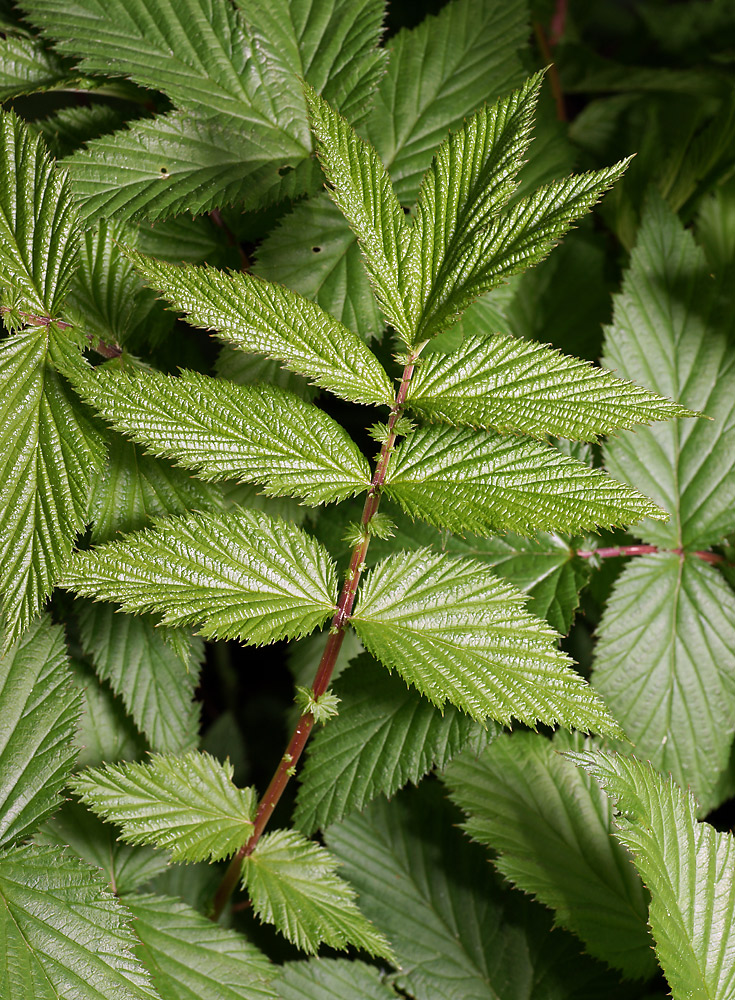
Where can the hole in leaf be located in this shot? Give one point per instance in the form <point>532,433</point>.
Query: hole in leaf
<point>316,249</point>
<point>282,171</point>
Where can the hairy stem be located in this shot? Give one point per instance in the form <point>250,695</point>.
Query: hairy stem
<point>287,765</point>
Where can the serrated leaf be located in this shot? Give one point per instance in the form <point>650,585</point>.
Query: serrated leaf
<point>39,231</point>
<point>254,369</point>
<point>187,804</point>
<point>689,868</point>
<point>455,631</point>
<point>26,67</point>
<point>513,385</point>
<point>124,867</point>
<point>63,932</point>
<point>665,664</point>
<point>68,128</point>
<point>258,316</point>
<point>49,456</point>
<point>550,827</point>
<point>191,958</point>
<point>240,574</point>
<point>667,329</point>
<point>293,884</point>
<point>226,431</point>
<point>332,979</point>
<point>134,487</point>
<point>384,736</point>
<point>39,709</point>
<point>457,932</point>
<point>106,732</point>
<point>484,483</point>
<point>144,668</point>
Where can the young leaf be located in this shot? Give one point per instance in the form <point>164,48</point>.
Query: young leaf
<point>462,480</point>
<point>456,632</point>
<point>513,385</point>
<point>141,665</point>
<point>256,315</point>
<point>64,933</point>
<point>241,574</point>
<point>39,231</point>
<point>39,708</point>
<point>49,455</point>
<point>187,804</point>
<point>550,826</point>
<point>457,932</point>
<point>226,431</point>
<point>332,979</point>
<point>293,884</point>
<point>688,866</point>
<point>665,664</point>
<point>191,958</point>
<point>667,330</point>
<point>384,736</point>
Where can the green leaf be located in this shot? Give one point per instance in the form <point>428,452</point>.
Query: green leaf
<point>141,665</point>
<point>665,664</point>
<point>457,932</point>
<point>39,709</point>
<point>668,332</point>
<point>27,67</point>
<point>191,958</point>
<point>64,934</point>
<point>124,867</point>
<point>241,574</point>
<point>256,315</point>
<point>550,826</point>
<point>70,127</point>
<point>226,431</point>
<point>689,868</point>
<point>106,732</point>
<point>362,190</point>
<point>293,884</point>
<point>187,804</point>
<point>484,483</point>
<point>134,487</point>
<point>455,631</point>
<point>514,385</point>
<point>332,979</point>
<point>50,454</point>
<point>39,231</point>
<point>384,736</point>
<point>254,369</point>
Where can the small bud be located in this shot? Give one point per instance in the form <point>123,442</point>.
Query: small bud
<point>321,708</point>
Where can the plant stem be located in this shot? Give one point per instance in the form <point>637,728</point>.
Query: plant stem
<point>287,765</point>
<point>106,350</point>
<point>643,550</point>
<point>554,81</point>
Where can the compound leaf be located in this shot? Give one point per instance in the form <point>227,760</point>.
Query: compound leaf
<point>186,804</point>
<point>462,480</point>
<point>689,868</point>
<point>293,884</point>
<point>241,574</point>
<point>39,707</point>
<point>455,631</point>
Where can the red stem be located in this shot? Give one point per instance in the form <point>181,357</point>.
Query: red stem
<point>553,74</point>
<point>287,765</point>
<point>106,350</point>
<point>644,550</point>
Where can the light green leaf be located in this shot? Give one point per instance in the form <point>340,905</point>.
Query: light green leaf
<point>63,932</point>
<point>49,454</point>
<point>191,958</point>
<point>550,827</point>
<point>689,868</point>
<point>134,487</point>
<point>484,483</point>
<point>226,431</point>
<point>258,316</point>
<point>665,663</point>
<point>332,979</point>
<point>457,932</point>
<point>187,804</point>
<point>39,231</point>
<point>39,709</point>
<point>450,627</point>
<point>124,867</point>
<point>362,190</point>
<point>293,884</point>
<point>667,331</point>
<point>241,574</point>
<point>141,664</point>
<point>26,67</point>
<point>384,736</point>
<point>513,385</point>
